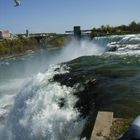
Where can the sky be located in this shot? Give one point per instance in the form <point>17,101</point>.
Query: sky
<point>61,15</point>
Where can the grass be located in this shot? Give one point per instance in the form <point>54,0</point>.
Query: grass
<point>119,127</point>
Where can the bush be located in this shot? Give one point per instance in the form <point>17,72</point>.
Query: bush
<point>19,45</point>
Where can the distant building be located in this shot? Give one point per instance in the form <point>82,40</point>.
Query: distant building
<point>5,34</point>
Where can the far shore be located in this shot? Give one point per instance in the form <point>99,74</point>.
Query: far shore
<point>16,55</point>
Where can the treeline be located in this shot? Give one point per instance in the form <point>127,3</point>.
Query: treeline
<point>22,44</point>
<point>17,46</point>
<point>132,28</point>
<point>57,41</point>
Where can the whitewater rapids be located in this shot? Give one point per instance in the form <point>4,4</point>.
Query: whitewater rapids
<point>35,110</point>
<point>43,109</point>
<point>37,114</point>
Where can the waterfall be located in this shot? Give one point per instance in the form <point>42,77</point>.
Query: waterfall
<point>44,109</point>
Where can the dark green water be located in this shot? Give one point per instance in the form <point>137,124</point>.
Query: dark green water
<point>107,80</point>
<point>113,82</point>
<point>104,83</point>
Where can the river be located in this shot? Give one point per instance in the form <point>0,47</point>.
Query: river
<point>54,94</point>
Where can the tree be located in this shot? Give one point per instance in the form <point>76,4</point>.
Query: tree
<point>133,26</point>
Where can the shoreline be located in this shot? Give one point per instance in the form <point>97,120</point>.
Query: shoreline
<point>16,55</point>
<point>27,52</point>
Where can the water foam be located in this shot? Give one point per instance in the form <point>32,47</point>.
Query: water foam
<point>37,115</point>
<point>128,44</point>
<point>75,49</point>
<point>81,48</point>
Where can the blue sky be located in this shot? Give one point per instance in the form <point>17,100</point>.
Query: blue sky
<point>61,15</point>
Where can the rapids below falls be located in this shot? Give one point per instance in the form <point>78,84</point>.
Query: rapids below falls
<point>56,94</point>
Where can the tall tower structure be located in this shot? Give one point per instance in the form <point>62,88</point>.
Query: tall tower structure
<point>77,32</point>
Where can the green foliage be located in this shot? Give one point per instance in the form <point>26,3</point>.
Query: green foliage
<point>21,44</point>
<point>132,28</point>
<point>57,41</point>
<point>4,50</point>
<point>119,127</point>
<point>16,46</point>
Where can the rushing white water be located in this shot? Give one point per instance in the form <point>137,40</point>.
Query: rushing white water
<point>43,109</point>
<point>81,48</point>
<point>125,44</point>
<point>33,112</point>
<point>76,49</point>
<point>37,115</point>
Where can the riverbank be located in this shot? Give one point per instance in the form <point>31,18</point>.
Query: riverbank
<point>16,55</point>
<point>106,127</point>
<point>57,41</point>
<point>12,47</point>
<point>20,46</point>
<point>119,127</point>
<point>107,30</point>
